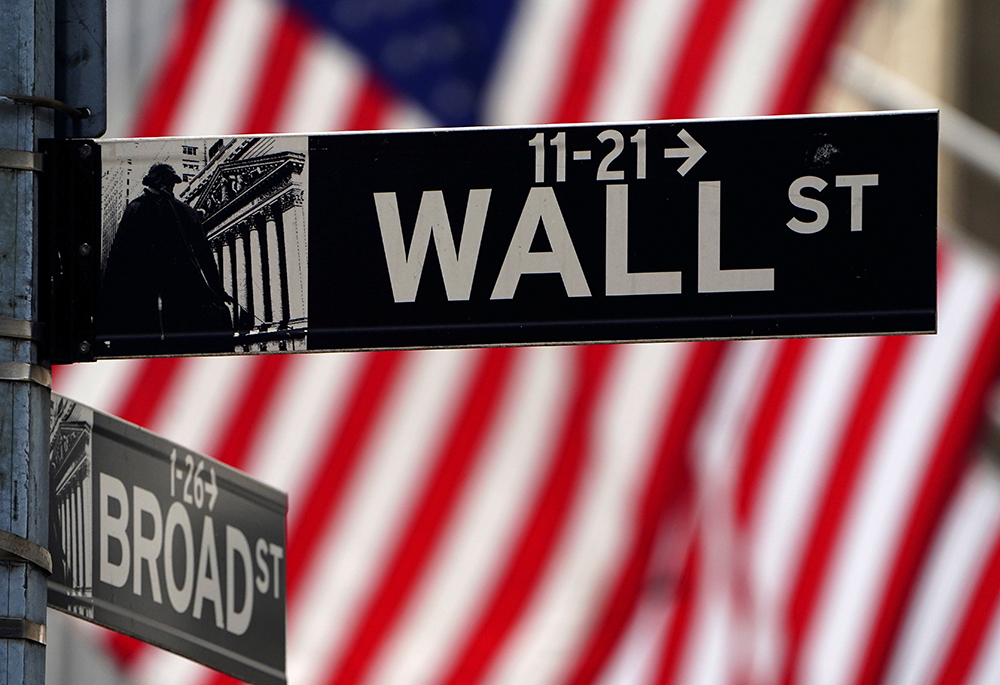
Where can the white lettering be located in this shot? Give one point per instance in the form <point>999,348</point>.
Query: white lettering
<point>712,278</point>
<point>618,279</point>
<point>856,183</point>
<point>114,527</point>
<point>177,518</point>
<point>146,548</point>
<point>237,622</point>
<point>811,204</point>
<point>278,554</point>
<point>541,208</point>
<point>263,581</point>
<point>207,584</point>
<point>457,266</point>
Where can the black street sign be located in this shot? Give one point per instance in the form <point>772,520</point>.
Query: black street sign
<point>675,230</point>
<point>166,545</point>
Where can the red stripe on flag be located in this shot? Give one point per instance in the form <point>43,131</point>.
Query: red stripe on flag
<point>811,56</point>
<point>545,525</point>
<point>257,396</point>
<point>701,46</point>
<point>679,633</point>
<point>588,58</point>
<point>836,498</point>
<point>772,410</point>
<point>57,372</point>
<point>124,648</point>
<point>940,481</point>
<point>370,107</point>
<point>435,507</point>
<point>282,56</point>
<point>149,389</point>
<point>161,101</point>
<point>667,489</point>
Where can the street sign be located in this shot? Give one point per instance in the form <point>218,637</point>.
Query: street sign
<point>166,545</point>
<point>675,230</point>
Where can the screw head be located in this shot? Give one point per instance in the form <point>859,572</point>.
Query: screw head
<point>84,151</point>
<point>84,347</point>
<point>84,249</point>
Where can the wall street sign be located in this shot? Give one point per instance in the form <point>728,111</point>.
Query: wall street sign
<point>672,230</point>
<point>166,545</point>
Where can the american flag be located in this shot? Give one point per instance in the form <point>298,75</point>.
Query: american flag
<point>788,511</point>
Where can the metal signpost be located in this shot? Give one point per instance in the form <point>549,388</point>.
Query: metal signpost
<point>26,56</point>
<point>52,54</point>
<point>770,227</point>
<point>166,545</point>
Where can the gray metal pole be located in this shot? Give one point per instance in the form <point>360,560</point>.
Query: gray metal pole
<point>26,68</point>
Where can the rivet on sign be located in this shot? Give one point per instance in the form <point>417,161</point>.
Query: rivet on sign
<point>84,249</point>
<point>84,347</point>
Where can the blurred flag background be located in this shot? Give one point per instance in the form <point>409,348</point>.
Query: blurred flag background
<point>789,511</point>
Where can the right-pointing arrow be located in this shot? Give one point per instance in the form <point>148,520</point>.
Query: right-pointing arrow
<point>693,152</point>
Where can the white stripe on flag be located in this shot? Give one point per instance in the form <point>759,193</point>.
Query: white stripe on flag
<point>160,667</point>
<point>302,412</point>
<point>217,96</point>
<point>101,385</point>
<point>752,61</point>
<point>200,401</point>
<point>727,415</point>
<point>534,62</point>
<point>324,87</point>
<point>642,59</point>
<point>406,115</point>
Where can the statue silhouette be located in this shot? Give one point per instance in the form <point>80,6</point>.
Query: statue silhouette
<point>162,292</point>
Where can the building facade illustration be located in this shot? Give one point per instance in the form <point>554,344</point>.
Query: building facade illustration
<point>251,196</point>
<point>71,492</point>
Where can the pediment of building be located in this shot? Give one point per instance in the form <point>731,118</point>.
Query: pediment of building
<point>235,185</point>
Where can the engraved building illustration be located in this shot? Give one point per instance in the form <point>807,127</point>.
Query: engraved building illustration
<point>71,492</point>
<point>251,197</point>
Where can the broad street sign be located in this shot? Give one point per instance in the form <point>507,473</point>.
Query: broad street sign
<point>674,230</point>
<point>166,545</point>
